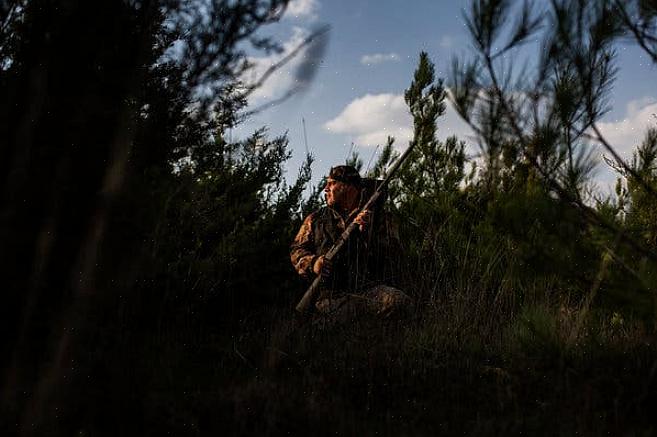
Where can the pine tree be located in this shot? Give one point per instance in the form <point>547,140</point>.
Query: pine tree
<point>435,168</point>
<point>537,123</point>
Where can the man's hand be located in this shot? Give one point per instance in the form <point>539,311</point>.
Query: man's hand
<point>363,219</point>
<point>322,266</point>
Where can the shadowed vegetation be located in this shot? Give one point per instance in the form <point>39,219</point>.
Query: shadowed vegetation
<point>148,288</point>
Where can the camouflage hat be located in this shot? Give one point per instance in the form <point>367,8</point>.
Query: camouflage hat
<point>346,174</point>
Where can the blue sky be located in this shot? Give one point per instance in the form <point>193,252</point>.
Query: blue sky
<point>357,94</point>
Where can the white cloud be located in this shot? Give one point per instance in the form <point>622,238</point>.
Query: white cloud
<point>446,42</point>
<point>371,118</point>
<point>302,9</point>
<point>378,58</point>
<point>368,120</point>
<point>626,134</point>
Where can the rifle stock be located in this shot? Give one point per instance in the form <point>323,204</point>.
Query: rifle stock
<point>311,293</point>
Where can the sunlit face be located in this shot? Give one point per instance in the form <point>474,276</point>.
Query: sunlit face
<point>339,194</point>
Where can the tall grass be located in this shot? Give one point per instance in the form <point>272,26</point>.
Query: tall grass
<point>492,348</point>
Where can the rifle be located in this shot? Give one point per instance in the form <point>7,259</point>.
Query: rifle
<point>311,294</point>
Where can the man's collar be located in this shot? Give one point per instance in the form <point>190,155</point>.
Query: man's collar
<point>347,218</point>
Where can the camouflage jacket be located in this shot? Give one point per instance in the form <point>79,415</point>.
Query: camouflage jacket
<point>367,258</point>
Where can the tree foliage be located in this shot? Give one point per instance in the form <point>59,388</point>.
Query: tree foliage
<point>141,244</point>
<point>434,167</point>
<point>537,126</point>
<point>101,103</point>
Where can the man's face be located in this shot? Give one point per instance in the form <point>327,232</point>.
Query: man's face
<point>339,194</point>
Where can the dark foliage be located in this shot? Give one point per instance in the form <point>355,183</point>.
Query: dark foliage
<point>97,106</point>
<point>145,256</point>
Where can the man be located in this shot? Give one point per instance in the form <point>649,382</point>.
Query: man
<point>355,281</point>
